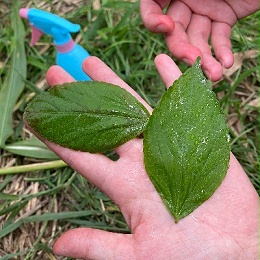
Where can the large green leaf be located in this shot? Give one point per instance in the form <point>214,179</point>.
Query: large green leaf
<point>14,81</point>
<point>186,147</point>
<point>87,116</point>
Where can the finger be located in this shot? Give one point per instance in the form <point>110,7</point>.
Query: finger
<point>167,69</point>
<point>198,32</point>
<point>177,40</point>
<point>179,13</point>
<point>179,45</point>
<point>153,17</point>
<point>57,75</point>
<point>87,243</point>
<point>211,67</point>
<point>99,71</point>
<point>220,39</point>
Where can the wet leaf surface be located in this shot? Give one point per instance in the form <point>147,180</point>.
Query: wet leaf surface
<point>87,116</point>
<point>186,148</point>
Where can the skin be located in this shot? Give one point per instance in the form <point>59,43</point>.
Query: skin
<point>223,227</point>
<point>188,26</point>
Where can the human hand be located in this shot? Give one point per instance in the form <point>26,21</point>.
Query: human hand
<point>224,227</point>
<point>188,26</point>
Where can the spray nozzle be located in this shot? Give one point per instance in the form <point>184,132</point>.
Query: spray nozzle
<point>45,22</point>
<point>70,55</point>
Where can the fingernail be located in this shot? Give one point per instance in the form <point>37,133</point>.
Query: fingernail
<point>226,64</point>
<point>207,73</point>
<point>187,61</point>
<point>162,28</point>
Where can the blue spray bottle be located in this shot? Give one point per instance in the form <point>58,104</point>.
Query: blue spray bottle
<point>70,55</point>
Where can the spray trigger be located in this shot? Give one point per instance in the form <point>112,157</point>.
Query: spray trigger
<point>36,35</point>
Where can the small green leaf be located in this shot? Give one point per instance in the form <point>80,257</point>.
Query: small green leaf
<point>87,116</point>
<point>32,147</point>
<point>186,147</point>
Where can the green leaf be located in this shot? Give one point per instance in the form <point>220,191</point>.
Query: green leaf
<point>14,81</point>
<point>186,144</point>
<point>87,116</point>
<point>31,148</point>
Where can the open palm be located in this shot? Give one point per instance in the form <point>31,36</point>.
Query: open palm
<point>189,25</point>
<point>224,227</point>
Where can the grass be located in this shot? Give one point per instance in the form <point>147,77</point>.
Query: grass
<point>40,196</point>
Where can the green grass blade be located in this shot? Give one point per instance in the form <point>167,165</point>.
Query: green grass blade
<point>14,256</point>
<point>33,167</point>
<point>4,196</point>
<point>10,228</point>
<point>13,207</point>
<point>49,216</point>
<point>44,217</point>
<point>31,148</point>
<point>14,81</point>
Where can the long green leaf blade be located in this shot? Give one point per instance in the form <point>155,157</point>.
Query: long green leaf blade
<point>32,147</point>
<point>45,217</point>
<point>14,82</point>
<point>87,116</point>
<point>186,148</point>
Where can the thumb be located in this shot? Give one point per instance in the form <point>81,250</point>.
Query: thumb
<point>88,243</point>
